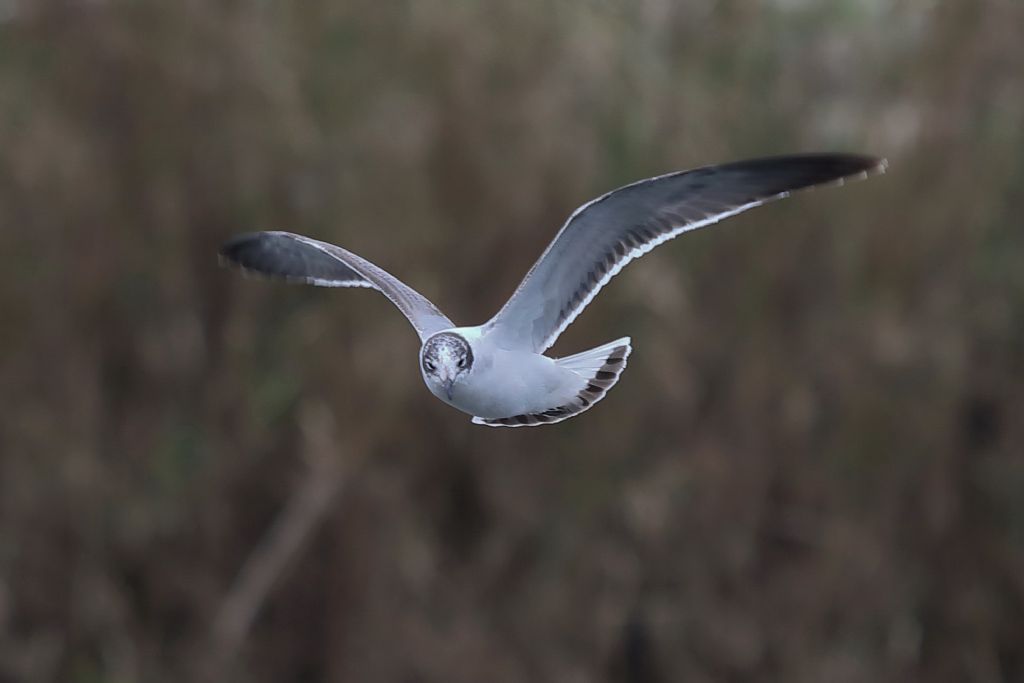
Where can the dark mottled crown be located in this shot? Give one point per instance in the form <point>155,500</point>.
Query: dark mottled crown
<point>453,344</point>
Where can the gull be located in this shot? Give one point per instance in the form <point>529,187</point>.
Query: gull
<point>498,371</point>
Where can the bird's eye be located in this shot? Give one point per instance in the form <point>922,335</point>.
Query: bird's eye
<point>430,365</point>
<point>462,362</point>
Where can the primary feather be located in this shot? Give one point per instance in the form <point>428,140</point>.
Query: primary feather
<point>303,259</point>
<point>605,234</point>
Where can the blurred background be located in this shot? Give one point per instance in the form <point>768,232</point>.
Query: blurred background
<point>813,469</point>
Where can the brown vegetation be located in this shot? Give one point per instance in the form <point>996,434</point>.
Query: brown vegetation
<point>813,469</point>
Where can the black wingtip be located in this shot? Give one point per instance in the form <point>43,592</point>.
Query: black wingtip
<point>790,173</point>
<point>239,249</point>
<point>851,165</point>
<point>286,256</point>
<point>828,163</point>
<point>256,253</point>
<point>266,253</point>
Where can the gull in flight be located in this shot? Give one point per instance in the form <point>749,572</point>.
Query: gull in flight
<point>497,372</point>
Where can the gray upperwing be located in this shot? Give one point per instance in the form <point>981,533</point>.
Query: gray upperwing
<point>302,259</point>
<point>602,236</point>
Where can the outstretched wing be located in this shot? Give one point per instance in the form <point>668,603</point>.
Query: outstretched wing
<point>301,259</point>
<point>605,234</point>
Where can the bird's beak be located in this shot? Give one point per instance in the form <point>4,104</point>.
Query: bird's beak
<point>448,387</point>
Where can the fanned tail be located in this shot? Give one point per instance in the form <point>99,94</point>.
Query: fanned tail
<point>586,363</point>
<point>599,369</point>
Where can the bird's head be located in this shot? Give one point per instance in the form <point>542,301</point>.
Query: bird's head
<point>446,359</point>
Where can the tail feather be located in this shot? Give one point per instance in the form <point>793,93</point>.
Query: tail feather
<point>586,363</point>
<point>598,368</point>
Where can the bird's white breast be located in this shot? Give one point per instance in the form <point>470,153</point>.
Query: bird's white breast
<point>504,383</point>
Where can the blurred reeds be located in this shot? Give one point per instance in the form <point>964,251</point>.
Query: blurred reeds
<point>812,470</point>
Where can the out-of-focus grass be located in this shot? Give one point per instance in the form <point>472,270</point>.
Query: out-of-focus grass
<point>809,471</point>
